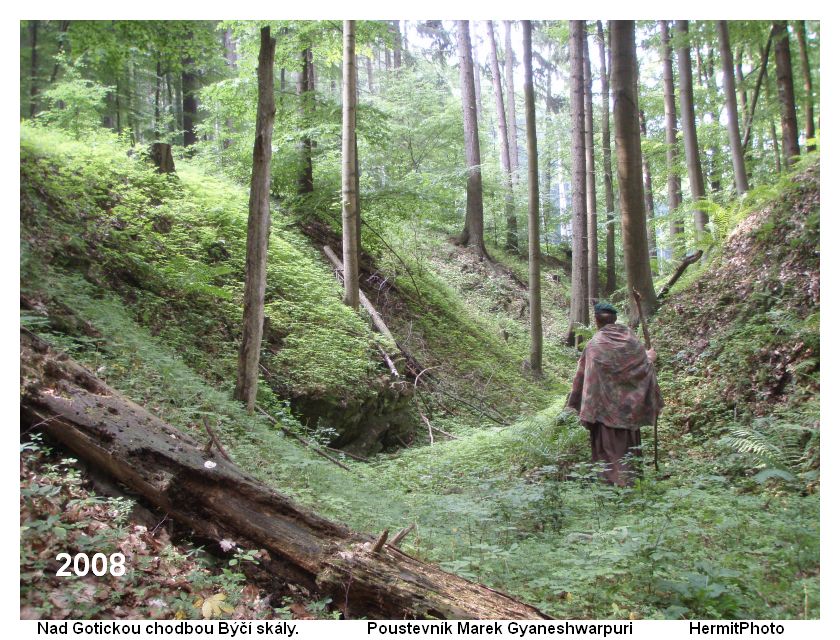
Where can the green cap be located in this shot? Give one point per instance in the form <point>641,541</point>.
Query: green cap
<point>605,307</point>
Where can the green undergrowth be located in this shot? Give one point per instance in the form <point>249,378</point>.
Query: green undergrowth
<point>493,504</point>
<point>173,249</point>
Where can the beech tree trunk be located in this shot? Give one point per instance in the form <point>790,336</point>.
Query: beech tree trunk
<point>650,207</point>
<point>591,187</point>
<point>349,200</point>
<point>674,188</point>
<point>168,468</point>
<point>810,129</point>
<point>784,81</point>
<point>305,89</point>
<point>628,150</point>
<point>606,147</point>
<point>33,68</point>
<point>512,234</point>
<point>259,221</point>
<point>738,165</point>
<point>473,233</point>
<point>513,143</point>
<point>689,130</point>
<point>579,304</point>
<point>534,294</point>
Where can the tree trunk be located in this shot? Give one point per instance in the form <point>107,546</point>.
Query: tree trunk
<point>784,80</point>
<point>349,200</point>
<point>628,150</point>
<point>189,85</point>
<point>689,128</point>
<point>591,187</point>
<point>741,87</point>
<point>157,98</point>
<point>513,144</point>
<point>369,64</point>
<point>477,77</point>
<point>232,57</point>
<point>33,68</point>
<point>534,295</point>
<point>397,44</point>
<point>761,72</point>
<point>674,189</point>
<point>810,129</point>
<point>738,165</point>
<point>579,304</point>
<point>306,182</point>
<point>168,468</point>
<point>650,207</point>
<point>512,235</point>
<point>473,233</point>
<point>161,156</point>
<point>609,197</point>
<point>259,221</point>
<point>776,152</point>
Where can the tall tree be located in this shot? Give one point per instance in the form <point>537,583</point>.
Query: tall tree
<point>33,68</point>
<point>802,38</point>
<point>591,189</point>
<point>579,304</point>
<point>513,143</point>
<point>189,88</point>
<point>609,196</point>
<point>738,165</point>
<point>534,294</point>
<point>306,91</point>
<point>473,233</point>
<point>674,189</point>
<point>395,29</point>
<point>628,149</point>
<point>259,221</point>
<point>784,81</point>
<point>650,208</point>
<point>349,168</point>
<point>512,235</point>
<point>689,129</point>
<point>748,118</point>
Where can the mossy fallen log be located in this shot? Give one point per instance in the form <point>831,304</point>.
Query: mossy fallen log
<point>217,500</point>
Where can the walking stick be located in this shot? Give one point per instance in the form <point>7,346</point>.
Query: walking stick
<point>638,298</point>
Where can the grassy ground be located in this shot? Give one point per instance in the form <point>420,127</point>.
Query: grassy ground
<point>510,506</point>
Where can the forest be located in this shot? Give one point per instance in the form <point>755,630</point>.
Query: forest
<point>306,308</point>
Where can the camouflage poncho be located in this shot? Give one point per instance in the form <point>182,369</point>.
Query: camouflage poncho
<point>615,383</point>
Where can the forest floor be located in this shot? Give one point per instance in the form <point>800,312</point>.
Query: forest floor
<point>729,529</point>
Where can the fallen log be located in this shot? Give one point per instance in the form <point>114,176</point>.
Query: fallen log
<point>377,320</point>
<point>217,500</point>
<point>694,257</point>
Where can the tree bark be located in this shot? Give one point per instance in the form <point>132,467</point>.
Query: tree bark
<point>738,165</point>
<point>534,294</point>
<point>591,187</point>
<point>189,87</point>
<point>609,196</point>
<point>169,469</point>
<point>33,68</point>
<point>810,129</point>
<point>776,153</point>
<point>674,189</point>
<point>397,44</point>
<point>513,144</point>
<point>784,81</point>
<point>349,200</point>
<point>259,221</point>
<point>473,233</point>
<point>689,127</point>
<point>579,304</point>
<point>157,98</point>
<point>477,78</point>
<point>761,72</point>
<point>512,234</point>
<point>305,88</point>
<point>650,207</point>
<point>369,65</point>
<point>628,150</point>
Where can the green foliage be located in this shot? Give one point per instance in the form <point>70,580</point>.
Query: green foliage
<point>74,103</point>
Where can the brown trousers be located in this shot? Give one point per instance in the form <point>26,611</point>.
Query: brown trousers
<point>615,447</point>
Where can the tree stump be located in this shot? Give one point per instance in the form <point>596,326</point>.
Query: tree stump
<point>160,154</point>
